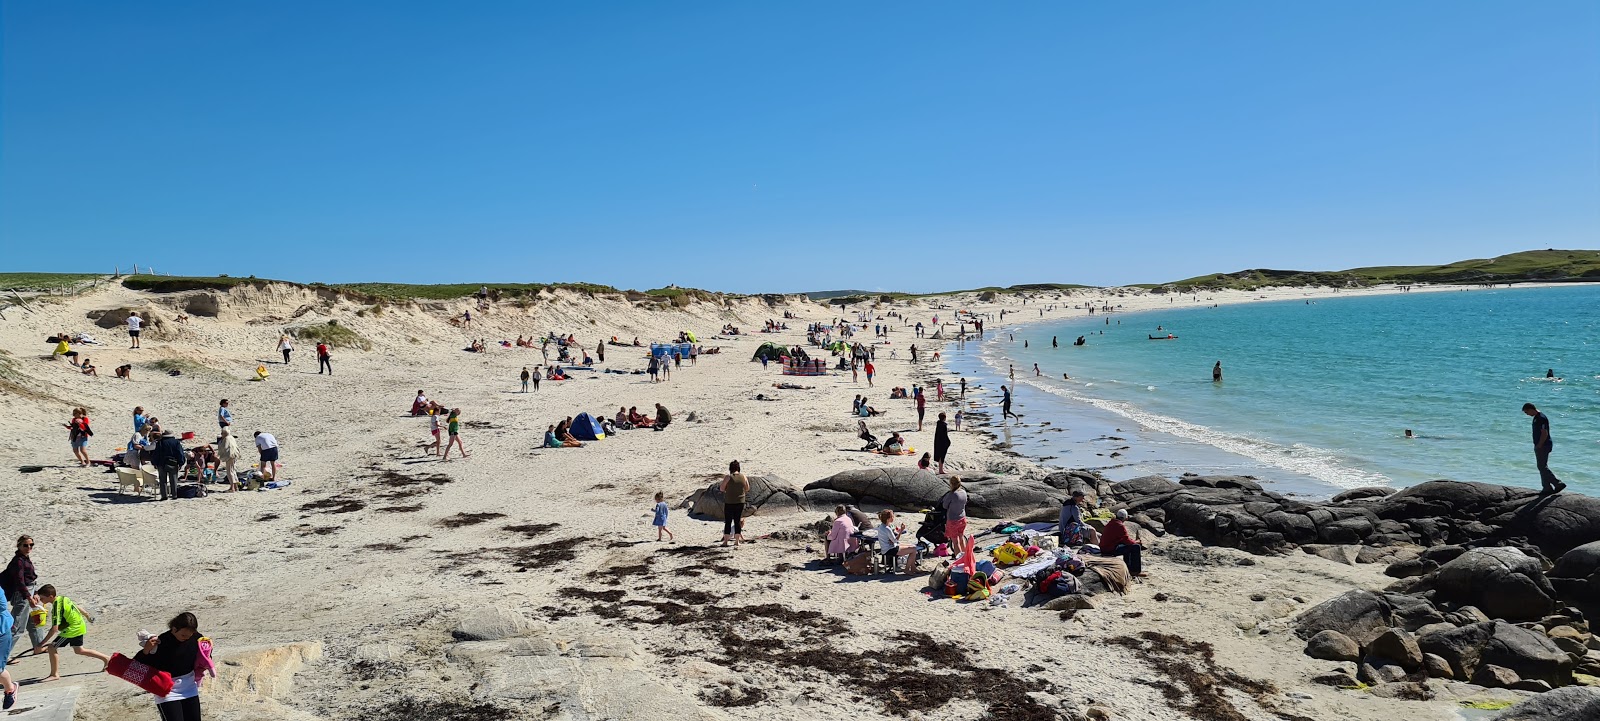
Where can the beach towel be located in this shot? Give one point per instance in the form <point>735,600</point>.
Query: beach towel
<point>1112,570</point>
<point>139,674</point>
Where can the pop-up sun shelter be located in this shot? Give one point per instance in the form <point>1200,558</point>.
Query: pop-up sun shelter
<point>770,351</point>
<point>586,428</point>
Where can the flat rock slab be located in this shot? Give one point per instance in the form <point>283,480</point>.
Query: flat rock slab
<point>44,703</point>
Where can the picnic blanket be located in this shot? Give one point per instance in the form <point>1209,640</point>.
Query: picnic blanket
<point>1112,570</point>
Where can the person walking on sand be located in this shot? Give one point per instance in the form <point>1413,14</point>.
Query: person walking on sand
<point>224,414</point>
<point>922,407</point>
<point>1005,405</point>
<point>600,351</point>
<point>654,367</point>
<point>466,319</point>
<point>18,584</point>
<point>324,359</point>
<point>78,433</point>
<point>1542,445</point>
<point>285,347</point>
<point>734,488</point>
<point>433,428</point>
<point>227,456</point>
<point>453,426</point>
<point>963,388</point>
<point>1216,372</point>
<point>660,520</point>
<point>179,652</point>
<point>525,376</point>
<point>869,369</point>
<point>135,323</point>
<point>68,627</point>
<point>941,442</point>
<point>267,445</point>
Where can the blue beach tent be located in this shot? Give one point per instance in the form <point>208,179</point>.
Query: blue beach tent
<point>586,428</point>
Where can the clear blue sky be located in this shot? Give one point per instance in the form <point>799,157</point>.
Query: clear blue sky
<point>759,146</point>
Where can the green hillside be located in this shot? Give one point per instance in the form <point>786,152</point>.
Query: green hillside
<point>1525,267</point>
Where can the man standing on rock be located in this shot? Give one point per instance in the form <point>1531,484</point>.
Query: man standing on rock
<point>1541,449</point>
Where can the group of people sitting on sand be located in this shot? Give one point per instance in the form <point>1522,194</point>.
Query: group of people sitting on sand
<point>560,434</point>
<point>730,329</point>
<point>64,349</point>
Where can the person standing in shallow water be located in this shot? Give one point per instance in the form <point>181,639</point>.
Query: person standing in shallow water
<point>1216,372</point>
<point>1542,445</point>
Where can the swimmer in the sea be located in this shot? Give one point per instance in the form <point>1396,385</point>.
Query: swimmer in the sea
<point>1408,433</point>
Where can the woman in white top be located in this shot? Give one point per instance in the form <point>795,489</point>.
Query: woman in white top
<point>285,346</point>
<point>889,542</point>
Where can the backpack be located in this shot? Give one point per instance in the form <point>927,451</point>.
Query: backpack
<point>978,587</point>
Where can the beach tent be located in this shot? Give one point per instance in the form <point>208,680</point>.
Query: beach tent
<point>770,351</point>
<point>586,428</point>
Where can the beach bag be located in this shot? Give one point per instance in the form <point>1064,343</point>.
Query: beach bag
<point>858,564</point>
<point>191,490</point>
<point>139,674</point>
<point>978,588</point>
<point>940,575</point>
<point>986,567</point>
<point>960,577</point>
<point>1010,554</point>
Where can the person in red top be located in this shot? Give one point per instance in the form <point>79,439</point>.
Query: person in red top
<point>869,369</point>
<point>323,359</point>
<point>1116,541</point>
<point>922,407</point>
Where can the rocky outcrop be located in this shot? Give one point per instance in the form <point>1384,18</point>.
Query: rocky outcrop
<point>573,673</point>
<point>1359,615</point>
<point>768,495</point>
<point>912,488</point>
<point>1502,582</point>
<point>1578,703</point>
<point>1528,654</point>
<point>1576,575</point>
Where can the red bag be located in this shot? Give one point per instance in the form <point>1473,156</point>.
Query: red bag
<point>141,675</point>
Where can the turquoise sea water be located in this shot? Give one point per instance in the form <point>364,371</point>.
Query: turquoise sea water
<point>1315,396</point>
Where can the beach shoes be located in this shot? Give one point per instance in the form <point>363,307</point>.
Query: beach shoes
<point>11,697</point>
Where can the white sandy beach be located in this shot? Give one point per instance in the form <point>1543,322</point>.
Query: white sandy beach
<point>345,609</point>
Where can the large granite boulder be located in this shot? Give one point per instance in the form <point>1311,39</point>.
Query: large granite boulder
<point>1333,646</point>
<point>1448,499</point>
<point>1360,615</point>
<point>768,495</point>
<point>1574,703</point>
<point>1503,582</point>
<point>1556,524</point>
<point>1530,655</point>
<point>910,488</point>
<point>1577,573</point>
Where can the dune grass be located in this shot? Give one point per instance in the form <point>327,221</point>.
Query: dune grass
<point>452,291</point>
<point>180,283</point>
<point>181,365</point>
<point>42,281</point>
<point>335,335</point>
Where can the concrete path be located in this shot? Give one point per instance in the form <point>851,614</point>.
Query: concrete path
<point>43,703</point>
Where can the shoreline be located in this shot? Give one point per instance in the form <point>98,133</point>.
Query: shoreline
<point>1170,445</point>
